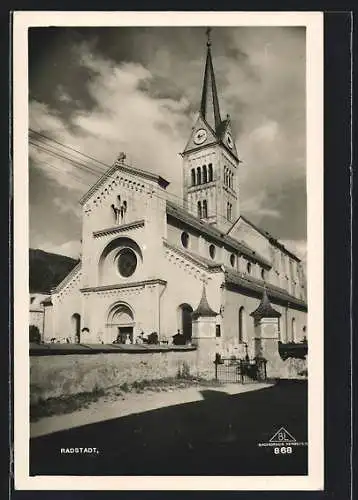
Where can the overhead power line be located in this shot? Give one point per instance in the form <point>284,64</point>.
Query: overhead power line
<point>94,169</point>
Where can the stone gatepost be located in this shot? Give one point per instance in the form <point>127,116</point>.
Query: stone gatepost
<point>266,339</point>
<point>204,337</point>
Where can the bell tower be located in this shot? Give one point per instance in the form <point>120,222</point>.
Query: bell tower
<point>210,159</point>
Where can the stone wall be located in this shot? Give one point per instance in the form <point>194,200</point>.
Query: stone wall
<point>63,375</point>
<point>295,368</point>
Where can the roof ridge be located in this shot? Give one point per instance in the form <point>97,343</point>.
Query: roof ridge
<point>67,278</point>
<point>272,239</point>
<point>273,290</point>
<point>214,232</point>
<point>119,165</point>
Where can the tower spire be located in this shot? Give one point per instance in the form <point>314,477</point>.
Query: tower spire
<point>209,108</point>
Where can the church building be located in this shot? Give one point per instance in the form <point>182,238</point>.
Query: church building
<point>148,262</point>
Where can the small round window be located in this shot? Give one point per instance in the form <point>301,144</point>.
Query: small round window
<point>127,262</point>
<point>248,267</point>
<point>232,260</point>
<point>212,251</point>
<point>185,239</point>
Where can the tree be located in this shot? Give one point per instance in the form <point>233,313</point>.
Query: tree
<point>35,335</point>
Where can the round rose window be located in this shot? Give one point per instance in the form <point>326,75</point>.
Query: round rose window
<point>127,262</point>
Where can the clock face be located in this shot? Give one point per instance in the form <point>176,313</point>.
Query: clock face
<point>229,140</point>
<point>200,136</point>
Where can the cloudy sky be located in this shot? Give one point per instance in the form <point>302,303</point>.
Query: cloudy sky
<point>106,90</point>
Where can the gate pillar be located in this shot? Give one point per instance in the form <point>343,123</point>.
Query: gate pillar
<point>204,337</point>
<point>266,320</point>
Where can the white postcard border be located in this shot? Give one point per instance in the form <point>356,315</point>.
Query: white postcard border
<point>314,130</point>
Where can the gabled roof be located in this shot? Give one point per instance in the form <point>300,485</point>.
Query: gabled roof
<point>119,165</point>
<point>211,135</point>
<point>195,257</point>
<point>67,278</point>
<point>215,234</point>
<point>267,235</point>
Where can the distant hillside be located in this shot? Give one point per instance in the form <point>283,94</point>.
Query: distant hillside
<point>47,270</point>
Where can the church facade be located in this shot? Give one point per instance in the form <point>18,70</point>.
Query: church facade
<point>145,259</point>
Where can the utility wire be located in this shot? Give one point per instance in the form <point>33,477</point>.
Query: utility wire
<point>95,171</point>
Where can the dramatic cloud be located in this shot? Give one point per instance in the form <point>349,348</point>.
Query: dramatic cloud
<point>137,90</point>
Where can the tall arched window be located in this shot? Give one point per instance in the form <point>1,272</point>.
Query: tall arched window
<point>205,209</point>
<point>229,179</point>
<point>193,176</point>
<point>185,321</point>
<point>205,174</point>
<point>229,210</point>
<point>199,209</point>
<point>76,327</point>
<point>198,175</point>
<point>242,325</point>
<point>293,331</point>
<point>210,172</point>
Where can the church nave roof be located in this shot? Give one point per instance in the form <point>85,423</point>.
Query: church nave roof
<point>212,232</point>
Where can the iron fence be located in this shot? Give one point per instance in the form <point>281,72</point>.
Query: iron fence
<point>240,370</point>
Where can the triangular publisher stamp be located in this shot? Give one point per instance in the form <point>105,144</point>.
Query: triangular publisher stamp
<point>282,436</point>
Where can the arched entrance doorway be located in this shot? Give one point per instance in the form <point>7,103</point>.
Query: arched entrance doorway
<point>121,323</point>
<point>185,321</point>
<point>76,327</point>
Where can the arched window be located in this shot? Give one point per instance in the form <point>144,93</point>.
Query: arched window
<point>205,174</point>
<point>76,327</point>
<point>205,209</point>
<point>199,209</point>
<point>193,176</point>
<point>185,239</point>
<point>263,274</point>
<point>293,332</point>
<point>232,260</point>
<point>229,210</point>
<point>248,267</point>
<point>229,179</point>
<point>212,251</point>
<point>198,175</point>
<point>210,169</point>
<point>225,176</point>
<point>185,321</point>
<point>242,325</point>
<point>304,331</point>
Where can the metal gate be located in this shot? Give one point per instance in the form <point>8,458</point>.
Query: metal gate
<point>239,370</point>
